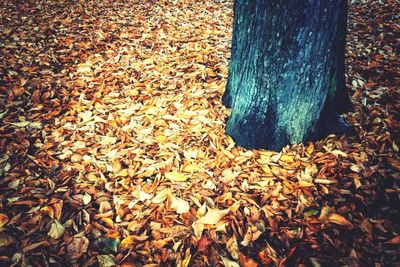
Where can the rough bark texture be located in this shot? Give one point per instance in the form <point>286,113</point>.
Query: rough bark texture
<point>286,77</point>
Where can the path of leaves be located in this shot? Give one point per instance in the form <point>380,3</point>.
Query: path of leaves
<point>113,148</point>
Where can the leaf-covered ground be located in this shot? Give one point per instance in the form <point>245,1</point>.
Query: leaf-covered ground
<point>113,149</point>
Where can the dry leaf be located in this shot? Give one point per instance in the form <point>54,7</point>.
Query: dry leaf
<point>161,196</point>
<point>3,219</point>
<point>339,219</point>
<point>105,261</point>
<point>394,240</point>
<point>179,205</point>
<point>229,263</point>
<point>77,247</point>
<point>175,177</point>
<point>57,230</point>
<point>213,216</point>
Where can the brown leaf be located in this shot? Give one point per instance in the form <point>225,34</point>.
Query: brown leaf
<point>77,247</point>
<point>246,261</point>
<point>35,245</point>
<point>204,244</point>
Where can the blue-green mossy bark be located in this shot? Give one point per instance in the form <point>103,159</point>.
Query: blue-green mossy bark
<point>286,82</point>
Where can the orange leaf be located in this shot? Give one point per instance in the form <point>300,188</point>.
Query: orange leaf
<point>394,240</point>
<point>394,163</point>
<point>339,219</point>
<point>3,219</point>
<point>18,91</point>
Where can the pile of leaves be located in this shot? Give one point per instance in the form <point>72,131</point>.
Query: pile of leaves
<point>113,150</point>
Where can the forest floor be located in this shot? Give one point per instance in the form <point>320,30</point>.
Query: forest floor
<point>113,151</point>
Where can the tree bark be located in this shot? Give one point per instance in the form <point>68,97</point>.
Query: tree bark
<point>286,80</point>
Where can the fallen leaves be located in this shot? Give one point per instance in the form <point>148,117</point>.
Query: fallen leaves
<point>113,149</point>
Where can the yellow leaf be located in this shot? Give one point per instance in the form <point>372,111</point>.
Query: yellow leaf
<point>191,168</point>
<point>161,139</point>
<point>305,184</point>
<point>324,214</point>
<point>213,216</point>
<point>266,169</point>
<point>180,205</point>
<point>92,177</point>
<point>175,176</point>
<point>276,157</point>
<point>107,140</point>
<point>355,168</point>
<point>287,159</point>
<point>143,196</point>
<point>128,242</point>
<point>211,73</point>
<point>76,158</point>
<point>108,222</point>
<point>198,228</point>
<point>186,261</point>
<point>339,153</point>
<point>201,211</point>
<point>233,247</point>
<point>339,219</point>
<point>123,173</point>
<point>116,166</point>
<point>161,196</point>
<point>310,149</point>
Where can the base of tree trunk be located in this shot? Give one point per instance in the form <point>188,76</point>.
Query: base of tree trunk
<point>286,82</point>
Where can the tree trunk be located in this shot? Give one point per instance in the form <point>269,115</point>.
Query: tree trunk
<point>286,79</point>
